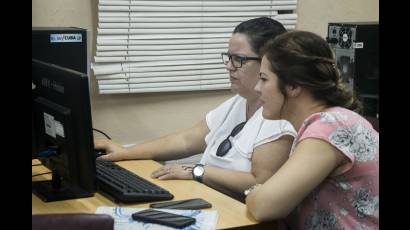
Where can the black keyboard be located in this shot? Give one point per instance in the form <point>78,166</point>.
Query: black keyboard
<point>125,186</point>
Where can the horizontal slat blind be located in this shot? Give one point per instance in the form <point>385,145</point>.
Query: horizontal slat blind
<point>161,46</point>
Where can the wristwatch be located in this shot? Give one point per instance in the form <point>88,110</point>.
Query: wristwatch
<point>198,172</point>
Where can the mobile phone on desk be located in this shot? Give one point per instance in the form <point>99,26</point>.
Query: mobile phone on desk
<point>196,203</point>
<point>164,218</point>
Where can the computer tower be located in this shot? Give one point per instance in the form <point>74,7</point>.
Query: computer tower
<point>64,46</point>
<point>356,47</point>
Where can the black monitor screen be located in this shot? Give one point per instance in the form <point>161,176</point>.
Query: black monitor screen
<point>62,128</point>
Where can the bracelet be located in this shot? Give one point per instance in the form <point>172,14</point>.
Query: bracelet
<point>247,191</point>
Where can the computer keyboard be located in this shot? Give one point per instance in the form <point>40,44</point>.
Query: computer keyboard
<point>125,186</point>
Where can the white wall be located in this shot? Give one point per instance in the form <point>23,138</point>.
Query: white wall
<point>314,15</point>
<point>131,118</point>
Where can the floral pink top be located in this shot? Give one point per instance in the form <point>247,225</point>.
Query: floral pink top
<point>349,199</point>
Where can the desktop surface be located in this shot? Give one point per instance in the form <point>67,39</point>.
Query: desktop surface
<point>232,213</point>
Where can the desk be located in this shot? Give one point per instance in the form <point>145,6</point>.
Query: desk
<point>232,213</point>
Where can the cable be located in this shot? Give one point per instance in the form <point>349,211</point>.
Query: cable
<point>109,138</point>
<point>40,174</point>
<point>48,152</point>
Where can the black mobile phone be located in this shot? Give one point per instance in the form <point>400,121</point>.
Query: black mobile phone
<point>164,218</point>
<point>196,203</point>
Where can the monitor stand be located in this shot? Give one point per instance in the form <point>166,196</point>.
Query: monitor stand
<point>56,190</point>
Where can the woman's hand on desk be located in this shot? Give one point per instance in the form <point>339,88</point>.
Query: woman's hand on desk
<point>114,151</point>
<point>174,171</point>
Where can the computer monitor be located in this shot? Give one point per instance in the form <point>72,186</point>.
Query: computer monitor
<point>63,130</point>
<point>33,132</point>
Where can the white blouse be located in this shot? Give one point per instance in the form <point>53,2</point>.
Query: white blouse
<point>257,131</point>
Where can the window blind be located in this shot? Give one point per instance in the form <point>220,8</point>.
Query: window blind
<point>159,46</point>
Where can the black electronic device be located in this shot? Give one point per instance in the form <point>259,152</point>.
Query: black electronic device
<point>196,203</point>
<point>356,47</point>
<point>63,128</point>
<point>99,152</point>
<point>63,142</point>
<point>33,128</point>
<point>125,186</point>
<point>63,46</point>
<point>163,218</point>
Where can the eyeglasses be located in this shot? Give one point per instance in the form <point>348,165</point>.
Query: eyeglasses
<point>226,144</point>
<point>236,60</point>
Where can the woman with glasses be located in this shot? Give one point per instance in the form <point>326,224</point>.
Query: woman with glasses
<point>330,180</point>
<point>239,147</point>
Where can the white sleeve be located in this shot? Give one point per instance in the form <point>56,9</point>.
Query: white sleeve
<point>274,129</point>
<point>260,131</point>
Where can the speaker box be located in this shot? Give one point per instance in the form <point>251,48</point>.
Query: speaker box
<point>64,46</point>
<point>356,47</point>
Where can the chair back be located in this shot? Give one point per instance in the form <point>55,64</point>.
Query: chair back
<point>78,221</point>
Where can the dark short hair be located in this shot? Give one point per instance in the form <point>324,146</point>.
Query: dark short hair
<point>301,58</point>
<point>259,31</point>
